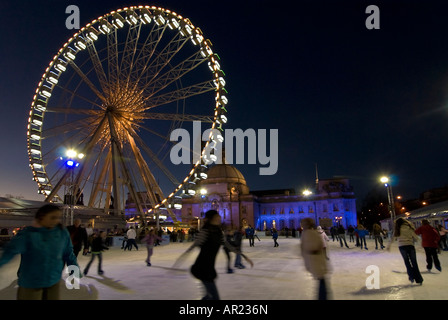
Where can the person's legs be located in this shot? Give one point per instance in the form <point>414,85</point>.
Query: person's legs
<point>413,257</point>
<point>29,294</point>
<point>342,236</point>
<point>86,270</point>
<point>322,295</point>
<point>150,251</point>
<point>237,260</point>
<point>51,293</point>
<point>380,239</point>
<point>76,251</point>
<point>100,262</point>
<point>376,242</point>
<point>428,254</point>
<point>404,253</point>
<point>211,291</point>
<point>435,258</point>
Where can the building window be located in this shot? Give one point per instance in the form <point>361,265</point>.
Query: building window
<point>325,208</point>
<point>300,209</point>
<point>263,212</point>
<point>282,211</point>
<point>292,224</point>
<point>310,209</point>
<point>273,211</point>
<point>291,210</point>
<point>335,207</point>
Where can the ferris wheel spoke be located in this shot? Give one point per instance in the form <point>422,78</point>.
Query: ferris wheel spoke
<point>167,139</point>
<point>156,160</point>
<point>177,117</point>
<point>80,96</point>
<point>128,55</point>
<point>151,185</point>
<point>100,182</point>
<point>145,55</point>
<point>112,56</point>
<point>165,56</point>
<point>65,128</point>
<point>83,182</point>
<point>98,66</point>
<point>180,94</point>
<point>160,83</point>
<point>87,81</point>
<point>117,162</point>
<point>89,112</point>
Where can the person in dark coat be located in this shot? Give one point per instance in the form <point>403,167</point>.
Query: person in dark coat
<point>209,239</point>
<point>275,237</point>
<point>237,242</point>
<point>79,237</point>
<point>250,234</point>
<point>341,235</point>
<point>98,247</point>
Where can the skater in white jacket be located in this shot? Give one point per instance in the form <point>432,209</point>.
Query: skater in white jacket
<point>325,239</point>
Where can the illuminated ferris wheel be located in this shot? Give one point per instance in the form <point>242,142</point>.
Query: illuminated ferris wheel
<point>103,111</point>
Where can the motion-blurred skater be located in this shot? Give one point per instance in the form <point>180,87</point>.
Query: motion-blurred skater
<point>45,248</point>
<point>209,239</point>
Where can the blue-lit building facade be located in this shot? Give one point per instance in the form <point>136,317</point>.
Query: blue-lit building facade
<point>331,202</point>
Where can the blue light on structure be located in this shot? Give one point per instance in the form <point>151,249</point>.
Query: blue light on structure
<point>70,163</point>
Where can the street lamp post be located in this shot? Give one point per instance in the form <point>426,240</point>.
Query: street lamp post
<point>72,157</point>
<point>390,198</point>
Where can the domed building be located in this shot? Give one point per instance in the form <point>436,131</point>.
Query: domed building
<point>226,191</point>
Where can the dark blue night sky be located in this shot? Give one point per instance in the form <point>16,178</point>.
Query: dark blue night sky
<point>360,103</point>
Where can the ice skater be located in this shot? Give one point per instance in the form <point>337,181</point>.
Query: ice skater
<point>275,237</point>
<point>442,243</point>
<point>209,239</point>
<point>378,234</point>
<point>97,251</point>
<point>430,242</point>
<point>131,239</point>
<point>362,233</point>
<point>150,240</point>
<point>237,242</point>
<point>324,240</point>
<point>250,234</point>
<point>229,239</point>
<point>44,247</point>
<point>79,237</point>
<point>404,231</point>
<point>313,255</point>
<point>341,235</point>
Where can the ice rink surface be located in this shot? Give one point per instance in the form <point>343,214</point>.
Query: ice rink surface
<point>278,274</point>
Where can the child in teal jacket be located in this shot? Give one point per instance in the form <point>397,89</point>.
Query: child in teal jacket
<point>45,248</point>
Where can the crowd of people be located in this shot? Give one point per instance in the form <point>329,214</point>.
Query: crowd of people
<point>61,246</point>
